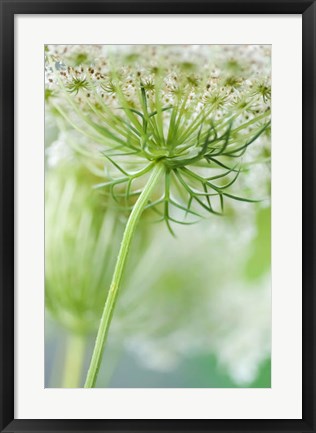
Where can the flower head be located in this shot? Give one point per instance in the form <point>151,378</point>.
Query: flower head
<point>195,110</point>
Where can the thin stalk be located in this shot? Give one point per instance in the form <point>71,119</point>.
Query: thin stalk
<point>75,352</point>
<point>118,271</point>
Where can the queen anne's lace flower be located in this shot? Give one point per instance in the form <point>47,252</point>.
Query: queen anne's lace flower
<point>201,114</point>
<point>196,111</point>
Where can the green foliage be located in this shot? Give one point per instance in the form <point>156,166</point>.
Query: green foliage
<point>260,259</point>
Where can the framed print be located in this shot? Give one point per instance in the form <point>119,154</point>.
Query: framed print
<point>157,216</point>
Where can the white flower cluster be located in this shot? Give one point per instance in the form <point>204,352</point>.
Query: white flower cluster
<point>222,77</point>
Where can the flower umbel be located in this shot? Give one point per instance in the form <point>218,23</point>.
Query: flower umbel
<point>153,110</point>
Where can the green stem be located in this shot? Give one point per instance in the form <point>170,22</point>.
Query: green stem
<point>75,352</point>
<point>118,271</point>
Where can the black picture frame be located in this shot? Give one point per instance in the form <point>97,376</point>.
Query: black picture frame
<point>8,10</point>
